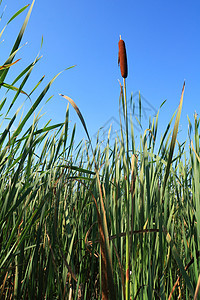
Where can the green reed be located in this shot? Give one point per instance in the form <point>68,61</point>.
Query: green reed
<point>119,221</point>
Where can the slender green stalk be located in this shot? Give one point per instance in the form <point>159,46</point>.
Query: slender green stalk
<point>127,200</point>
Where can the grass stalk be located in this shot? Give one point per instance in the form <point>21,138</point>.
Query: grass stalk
<point>127,175</point>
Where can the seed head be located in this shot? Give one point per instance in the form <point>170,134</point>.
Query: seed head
<point>122,59</point>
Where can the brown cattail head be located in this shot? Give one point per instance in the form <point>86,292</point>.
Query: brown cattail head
<point>122,59</point>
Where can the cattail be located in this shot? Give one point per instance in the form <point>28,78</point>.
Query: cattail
<point>122,59</point>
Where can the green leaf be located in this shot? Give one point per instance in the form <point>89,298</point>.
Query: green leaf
<point>13,88</point>
<point>3,74</point>
<point>173,141</point>
<point>34,106</point>
<point>18,13</point>
<point>78,113</point>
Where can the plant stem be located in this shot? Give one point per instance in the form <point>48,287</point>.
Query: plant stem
<point>127,198</point>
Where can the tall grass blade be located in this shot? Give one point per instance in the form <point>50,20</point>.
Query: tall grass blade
<point>173,141</point>
<point>78,113</point>
<point>17,43</point>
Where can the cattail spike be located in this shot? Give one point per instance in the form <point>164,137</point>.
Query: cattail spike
<point>122,58</point>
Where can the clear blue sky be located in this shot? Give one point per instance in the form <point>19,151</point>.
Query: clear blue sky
<point>163,49</point>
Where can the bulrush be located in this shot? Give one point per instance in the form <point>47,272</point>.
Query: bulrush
<point>122,59</point>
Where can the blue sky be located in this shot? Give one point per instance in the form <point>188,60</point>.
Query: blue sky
<point>162,42</point>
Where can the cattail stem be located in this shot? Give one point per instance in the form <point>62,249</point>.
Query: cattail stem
<point>124,82</point>
<point>127,201</point>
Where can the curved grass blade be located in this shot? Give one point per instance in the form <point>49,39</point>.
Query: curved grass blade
<point>9,65</point>
<point>18,13</point>
<point>39,82</point>
<point>78,113</point>
<point>3,74</point>
<point>13,17</point>
<point>13,88</point>
<point>173,141</point>
<point>25,71</point>
<point>34,106</point>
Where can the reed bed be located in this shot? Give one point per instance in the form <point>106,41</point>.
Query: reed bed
<point>92,222</point>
